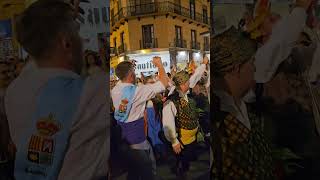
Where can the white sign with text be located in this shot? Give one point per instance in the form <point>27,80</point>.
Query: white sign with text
<point>144,62</point>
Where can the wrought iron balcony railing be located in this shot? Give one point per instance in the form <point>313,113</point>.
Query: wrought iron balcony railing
<point>113,51</point>
<point>158,7</point>
<point>149,45</point>
<point>180,43</point>
<point>195,45</point>
<point>122,48</point>
<point>206,47</point>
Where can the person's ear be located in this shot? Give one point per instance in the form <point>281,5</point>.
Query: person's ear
<point>66,42</point>
<point>236,70</point>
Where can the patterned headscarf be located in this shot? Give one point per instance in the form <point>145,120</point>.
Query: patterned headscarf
<point>181,78</point>
<point>230,48</point>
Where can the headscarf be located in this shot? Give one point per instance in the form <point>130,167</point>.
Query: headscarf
<point>181,78</point>
<point>231,48</point>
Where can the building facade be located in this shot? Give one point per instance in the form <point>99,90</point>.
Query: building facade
<point>228,13</point>
<point>94,27</point>
<point>171,29</point>
<point>9,9</point>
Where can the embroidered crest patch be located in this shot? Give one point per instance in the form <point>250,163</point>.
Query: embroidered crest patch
<point>41,145</point>
<point>123,106</point>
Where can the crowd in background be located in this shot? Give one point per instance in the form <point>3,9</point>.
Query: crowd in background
<point>154,117</point>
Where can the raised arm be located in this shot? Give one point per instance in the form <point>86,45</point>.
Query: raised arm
<point>280,44</point>
<point>198,73</point>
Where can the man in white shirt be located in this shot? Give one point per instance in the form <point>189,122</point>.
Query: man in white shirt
<point>130,101</point>
<point>49,33</point>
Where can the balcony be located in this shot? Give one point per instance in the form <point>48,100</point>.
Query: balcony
<point>158,8</point>
<point>122,49</point>
<point>149,45</point>
<point>206,47</point>
<point>195,45</point>
<point>179,43</point>
<point>113,51</point>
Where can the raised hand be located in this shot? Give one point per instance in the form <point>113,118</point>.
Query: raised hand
<point>205,60</point>
<point>157,61</point>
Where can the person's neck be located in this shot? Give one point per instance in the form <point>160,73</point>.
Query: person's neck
<point>53,63</point>
<point>231,88</point>
<point>127,81</point>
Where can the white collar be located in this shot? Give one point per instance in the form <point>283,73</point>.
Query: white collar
<point>228,105</point>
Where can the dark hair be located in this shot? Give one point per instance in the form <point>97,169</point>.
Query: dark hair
<point>96,59</point>
<point>123,69</point>
<point>146,79</point>
<point>38,27</point>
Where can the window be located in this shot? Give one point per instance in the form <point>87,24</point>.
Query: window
<point>148,36</point>
<point>178,36</point>
<point>122,38</point>
<point>90,16</point>
<point>177,6</point>
<point>138,7</point>
<point>192,9</point>
<point>115,42</point>
<point>193,39</point>
<point>112,16</point>
<point>119,5</point>
<point>104,15</point>
<point>206,43</point>
<point>96,16</point>
<point>205,14</point>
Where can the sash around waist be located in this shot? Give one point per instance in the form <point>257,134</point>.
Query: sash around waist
<point>133,132</point>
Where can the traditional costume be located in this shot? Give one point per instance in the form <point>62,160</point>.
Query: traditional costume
<point>181,122</point>
<point>239,148</point>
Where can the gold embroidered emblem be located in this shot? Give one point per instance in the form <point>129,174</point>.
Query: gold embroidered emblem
<point>41,145</point>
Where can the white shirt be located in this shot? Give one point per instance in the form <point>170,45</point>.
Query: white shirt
<point>88,149</point>
<point>280,44</point>
<point>142,95</point>
<point>228,105</point>
<point>169,113</point>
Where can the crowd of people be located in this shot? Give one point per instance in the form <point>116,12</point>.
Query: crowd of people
<point>158,116</point>
<point>264,123</point>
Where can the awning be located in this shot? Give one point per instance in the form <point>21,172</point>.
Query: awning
<point>205,34</point>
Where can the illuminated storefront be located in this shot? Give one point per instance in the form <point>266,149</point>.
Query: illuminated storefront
<point>144,61</point>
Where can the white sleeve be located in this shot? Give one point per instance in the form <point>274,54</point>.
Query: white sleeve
<point>208,81</point>
<point>279,46</point>
<point>147,92</point>
<point>168,119</point>
<point>197,75</point>
<point>172,88</point>
<point>315,67</point>
<point>89,143</point>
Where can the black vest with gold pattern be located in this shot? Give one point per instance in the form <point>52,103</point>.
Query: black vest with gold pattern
<point>187,116</point>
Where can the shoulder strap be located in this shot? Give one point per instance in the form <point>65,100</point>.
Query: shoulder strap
<point>40,154</point>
